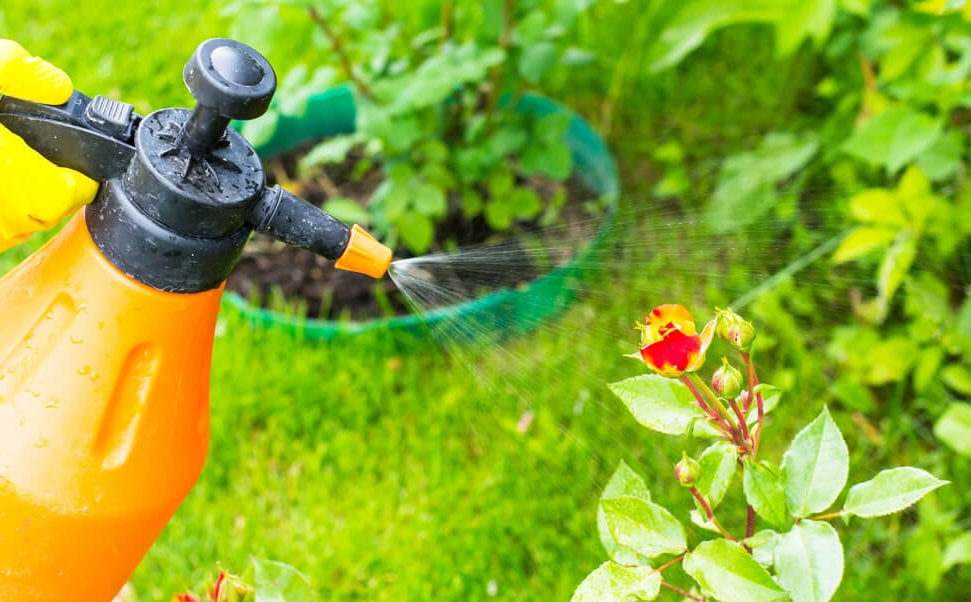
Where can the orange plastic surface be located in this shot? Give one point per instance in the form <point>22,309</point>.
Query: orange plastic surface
<point>104,419</point>
<point>364,254</point>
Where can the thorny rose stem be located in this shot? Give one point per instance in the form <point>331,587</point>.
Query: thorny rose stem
<point>753,382</point>
<point>710,513</point>
<point>712,413</point>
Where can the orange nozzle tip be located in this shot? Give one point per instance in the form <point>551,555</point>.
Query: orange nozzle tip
<point>364,255</point>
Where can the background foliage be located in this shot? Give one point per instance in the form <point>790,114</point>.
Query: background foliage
<point>379,471</point>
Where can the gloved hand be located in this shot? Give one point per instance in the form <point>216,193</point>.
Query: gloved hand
<point>34,193</point>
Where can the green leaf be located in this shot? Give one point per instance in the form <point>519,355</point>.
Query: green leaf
<point>644,527</point>
<point>890,360</point>
<point>416,231</point>
<point>697,20</point>
<point>805,19</point>
<point>896,264</point>
<point>623,482</point>
<point>808,561</point>
<point>332,150</point>
<point>763,490</point>
<point>927,364</point>
<point>957,378</point>
<point>279,582</point>
<point>726,570</point>
<point>924,556</point>
<point>261,130</point>
<point>942,159</point>
<point>815,466</point>
<point>890,491</point>
<point>763,544</point>
<point>348,211</point>
<point>958,551</point>
<point>717,469</point>
<point>746,182</point>
<point>536,61</point>
<point>862,240</point>
<point>499,214</point>
<point>893,138</point>
<point>878,206</point>
<point>577,57</point>
<point>660,404</point>
<point>557,162</point>
<point>430,200</point>
<point>525,203</point>
<point>612,582</point>
<point>954,428</point>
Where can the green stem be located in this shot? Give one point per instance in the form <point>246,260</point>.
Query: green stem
<point>505,42</point>
<point>712,414</point>
<point>337,44</point>
<point>712,398</point>
<point>448,21</point>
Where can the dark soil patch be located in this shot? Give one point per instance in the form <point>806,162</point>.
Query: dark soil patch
<point>284,278</point>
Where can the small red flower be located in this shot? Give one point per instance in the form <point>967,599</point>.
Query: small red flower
<point>669,342</point>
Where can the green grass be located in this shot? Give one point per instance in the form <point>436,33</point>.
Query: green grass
<point>384,468</point>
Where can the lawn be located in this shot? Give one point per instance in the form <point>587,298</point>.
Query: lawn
<point>387,467</point>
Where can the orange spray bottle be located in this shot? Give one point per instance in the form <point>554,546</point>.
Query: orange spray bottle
<point>106,332</point>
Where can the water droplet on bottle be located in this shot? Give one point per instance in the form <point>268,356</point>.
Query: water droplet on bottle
<point>68,279</point>
<point>94,376</point>
<point>76,340</point>
<point>82,307</point>
<point>84,370</point>
<point>42,442</point>
<point>53,404</point>
<point>35,393</point>
<point>49,315</point>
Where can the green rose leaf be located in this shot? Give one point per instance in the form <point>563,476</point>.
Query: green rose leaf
<point>612,582</point>
<point>717,469</point>
<point>644,527</point>
<point>954,428</point>
<point>763,545</point>
<point>280,582</point>
<point>660,404</point>
<point>815,466</point>
<point>623,482</point>
<point>890,491</point>
<point>808,561</point>
<point>763,490</point>
<point>726,570</point>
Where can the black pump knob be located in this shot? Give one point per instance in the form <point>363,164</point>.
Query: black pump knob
<point>229,80</point>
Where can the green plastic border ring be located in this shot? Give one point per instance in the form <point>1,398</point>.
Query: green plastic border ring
<point>333,112</point>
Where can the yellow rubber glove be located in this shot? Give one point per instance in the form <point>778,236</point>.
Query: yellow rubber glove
<point>34,193</point>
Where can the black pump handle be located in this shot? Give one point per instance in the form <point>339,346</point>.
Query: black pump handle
<point>92,136</point>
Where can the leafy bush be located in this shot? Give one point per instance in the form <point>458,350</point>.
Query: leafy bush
<point>799,555</point>
<point>435,105</point>
<point>889,84</point>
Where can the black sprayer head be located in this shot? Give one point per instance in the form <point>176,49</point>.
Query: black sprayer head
<point>182,191</point>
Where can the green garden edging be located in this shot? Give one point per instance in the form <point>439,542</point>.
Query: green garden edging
<point>518,310</point>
